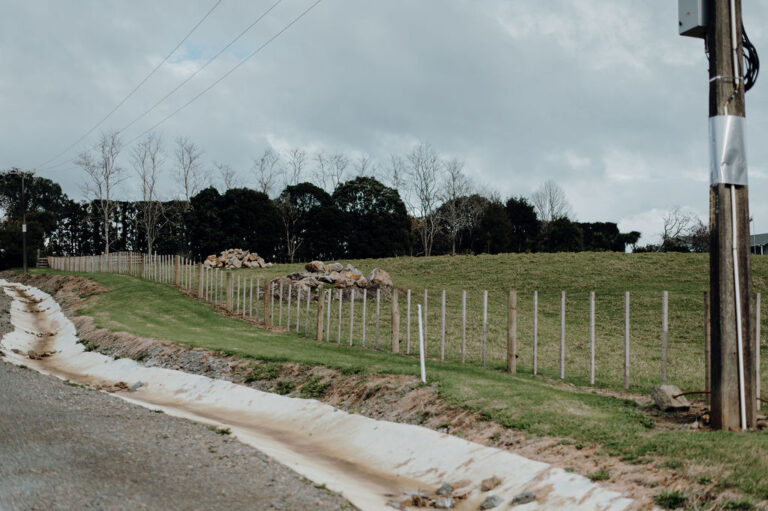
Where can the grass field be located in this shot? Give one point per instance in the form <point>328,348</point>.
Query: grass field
<point>522,402</point>
<point>609,275</point>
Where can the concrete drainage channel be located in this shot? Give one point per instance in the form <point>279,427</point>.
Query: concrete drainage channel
<point>374,464</point>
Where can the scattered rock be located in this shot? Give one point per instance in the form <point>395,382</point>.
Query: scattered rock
<point>491,502</point>
<point>444,503</point>
<point>346,278</point>
<point>396,505</point>
<point>490,483</point>
<point>380,278</point>
<point>135,386</point>
<point>235,258</point>
<point>445,489</point>
<point>523,498</point>
<point>334,267</point>
<point>664,397</point>
<point>315,267</point>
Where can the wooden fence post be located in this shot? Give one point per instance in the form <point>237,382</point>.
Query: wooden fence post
<point>512,332</point>
<point>592,338</point>
<point>200,283</point>
<point>250,298</point>
<point>288,307</point>
<point>562,335</point>
<point>365,312</point>
<point>408,322</point>
<point>626,339</point>
<point>424,320</point>
<point>280,305</point>
<point>463,326</point>
<point>269,300</point>
<point>177,270</point>
<point>757,350</point>
<point>298,308</point>
<point>485,325</point>
<point>664,334</point>
<point>328,317</point>
<point>320,312</point>
<point>442,326</point>
<point>395,322</point>
<point>340,296</point>
<point>351,316</point>
<point>230,286</point>
<point>306,314</point>
<point>378,315</point>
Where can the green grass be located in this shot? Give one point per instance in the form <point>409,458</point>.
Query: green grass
<point>529,404</point>
<point>609,275</point>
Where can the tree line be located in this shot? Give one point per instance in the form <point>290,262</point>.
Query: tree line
<point>328,206</point>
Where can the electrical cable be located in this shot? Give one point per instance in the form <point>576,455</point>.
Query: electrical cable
<point>136,88</point>
<point>225,75</point>
<point>751,60</point>
<point>198,71</point>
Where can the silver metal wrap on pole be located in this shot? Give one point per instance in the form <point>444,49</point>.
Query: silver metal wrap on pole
<point>727,151</point>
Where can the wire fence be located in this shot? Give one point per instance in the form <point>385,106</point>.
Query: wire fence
<point>622,341</point>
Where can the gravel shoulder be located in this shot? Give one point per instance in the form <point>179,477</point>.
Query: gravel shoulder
<point>70,447</point>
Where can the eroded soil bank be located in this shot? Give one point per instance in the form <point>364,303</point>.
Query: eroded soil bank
<point>394,398</point>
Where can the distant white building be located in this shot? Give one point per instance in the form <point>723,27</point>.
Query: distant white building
<point>759,243</point>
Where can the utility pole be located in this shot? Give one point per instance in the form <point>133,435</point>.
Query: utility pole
<point>22,174</point>
<point>23,224</point>
<point>733,343</point>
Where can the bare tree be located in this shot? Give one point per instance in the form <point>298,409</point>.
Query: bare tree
<point>364,166</point>
<point>338,169</point>
<point>104,175</point>
<point>267,171</point>
<point>682,232</point>
<point>424,172</point>
<point>228,175</point>
<point>147,159</point>
<point>457,208</point>
<point>321,170</point>
<point>550,202</point>
<point>188,166</point>
<point>290,215</point>
<point>297,159</point>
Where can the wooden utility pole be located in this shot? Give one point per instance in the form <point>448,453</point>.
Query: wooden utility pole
<point>733,344</point>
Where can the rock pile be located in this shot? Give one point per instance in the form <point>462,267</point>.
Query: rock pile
<point>235,258</point>
<point>346,278</point>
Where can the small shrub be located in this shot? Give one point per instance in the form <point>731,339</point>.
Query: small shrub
<point>673,464</point>
<point>704,479</point>
<point>579,446</point>
<point>264,372</point>
<point>570,469</point>
<point>284,387</point>
<point>314,388</point>
<point>220,431</point>
<point>600,475</point>
<point>350,370</point>
<point>496,437</point>
<point>670,499</point>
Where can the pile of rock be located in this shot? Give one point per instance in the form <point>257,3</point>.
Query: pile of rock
<point>346,278</point>
<point>236,258</point>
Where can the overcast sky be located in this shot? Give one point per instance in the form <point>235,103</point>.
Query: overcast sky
<point>602,96</point>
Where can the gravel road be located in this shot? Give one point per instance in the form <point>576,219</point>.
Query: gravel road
<point>68,447</point>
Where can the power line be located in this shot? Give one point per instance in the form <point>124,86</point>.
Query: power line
<point>225,75</point>
<point>233,41</point>
<point>142,82</point>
